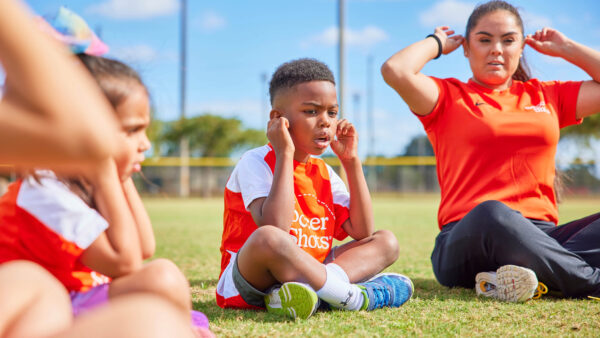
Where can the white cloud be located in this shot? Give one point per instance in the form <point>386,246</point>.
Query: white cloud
<point>447,13</point>
<point>211,21</point>
<point>134,9</point>
<point>365,38</point>
<point>533,22</point>
<point>141,53</point>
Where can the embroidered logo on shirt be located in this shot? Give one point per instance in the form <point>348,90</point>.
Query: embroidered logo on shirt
<point>539,108</point>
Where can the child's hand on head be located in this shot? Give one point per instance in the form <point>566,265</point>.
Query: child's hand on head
<point>279,135</point>
<point>345,146</point>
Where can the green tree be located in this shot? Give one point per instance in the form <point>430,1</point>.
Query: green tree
<point>210,136</point>
<point>590,128</point>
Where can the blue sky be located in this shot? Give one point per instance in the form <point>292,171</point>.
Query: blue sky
<point>231,44</point>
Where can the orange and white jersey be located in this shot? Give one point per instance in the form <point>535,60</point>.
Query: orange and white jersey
<point>44,222</point>
<point>321,208</point>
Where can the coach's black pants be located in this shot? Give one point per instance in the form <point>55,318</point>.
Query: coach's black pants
<point>565,258</point>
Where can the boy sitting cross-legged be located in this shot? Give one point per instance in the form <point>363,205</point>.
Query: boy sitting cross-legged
<point>283,208</point>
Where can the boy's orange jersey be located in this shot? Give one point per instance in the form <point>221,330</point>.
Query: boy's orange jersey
<point>321,207</point>
<point>49,225</point>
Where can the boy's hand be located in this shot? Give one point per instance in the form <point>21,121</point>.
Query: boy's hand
<point>279,135</point>
<point>345,146</point>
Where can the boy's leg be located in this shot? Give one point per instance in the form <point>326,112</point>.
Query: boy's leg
<point>32,302</point>
<point>160,277</point>
<point>271,256</point>
<point>363,259</point>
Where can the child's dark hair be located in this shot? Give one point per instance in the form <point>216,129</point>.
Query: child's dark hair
<point>105,71</point>
<point>298,71</point>
<point>522,73</point>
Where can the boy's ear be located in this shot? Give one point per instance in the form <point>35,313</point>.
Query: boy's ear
<point>465,48</point>
<point>274,113</point>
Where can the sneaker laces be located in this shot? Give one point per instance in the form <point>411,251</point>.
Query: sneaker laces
<point>382,296</point>
<point>541,289</point>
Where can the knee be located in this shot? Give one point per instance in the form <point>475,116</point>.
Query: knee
<point>388,244</point>
<point>270,241</point>
<point>165,276</point>
<point>492,217</point>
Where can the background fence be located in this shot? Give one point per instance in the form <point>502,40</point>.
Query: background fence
<point>405,174</point>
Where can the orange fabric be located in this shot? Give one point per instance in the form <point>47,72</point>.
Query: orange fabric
<point>316,222</point>
<point>499,145</point>
<point>24,237</point>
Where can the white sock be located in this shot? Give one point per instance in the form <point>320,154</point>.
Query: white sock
<point>334,268</point>
<point>338,292</point>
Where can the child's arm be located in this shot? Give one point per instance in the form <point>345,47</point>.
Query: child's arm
<point>278,207</point>
<point>52,113</point>
<point>360,224</point>
<point>142,220</point>
<point>116,252</point>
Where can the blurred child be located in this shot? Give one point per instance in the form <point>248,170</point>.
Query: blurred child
<point>83,228</point>
<point>283,208</point>
<point>53,115</point>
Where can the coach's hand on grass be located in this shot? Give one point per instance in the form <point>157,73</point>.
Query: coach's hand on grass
<point>345,145</point>
<point>279,135</point>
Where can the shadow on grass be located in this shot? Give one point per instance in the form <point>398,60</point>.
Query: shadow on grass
<point>212,311</point>
<point>210,308</point>
<point>429,289</point>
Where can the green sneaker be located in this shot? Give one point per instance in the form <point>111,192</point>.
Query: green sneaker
<point>295,300</point>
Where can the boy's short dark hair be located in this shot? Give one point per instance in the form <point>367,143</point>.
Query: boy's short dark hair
<point>298,71</point>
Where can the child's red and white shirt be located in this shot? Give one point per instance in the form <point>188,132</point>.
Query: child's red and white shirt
<point>321,208</point>
<point>46,223</point>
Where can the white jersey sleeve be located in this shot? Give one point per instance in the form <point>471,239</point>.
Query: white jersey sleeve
<point>338,189</point>
<point>53,204</point>
<point>252,176</point>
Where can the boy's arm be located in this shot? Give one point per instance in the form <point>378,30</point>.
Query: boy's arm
<point>360,224</point>
<point>141,218</point>
<point>116,252</point>
<point>277,208</point>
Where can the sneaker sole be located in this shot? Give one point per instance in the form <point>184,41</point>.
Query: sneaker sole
<point>515,283</point>
<point>480,280</point>
<point>297,301</point>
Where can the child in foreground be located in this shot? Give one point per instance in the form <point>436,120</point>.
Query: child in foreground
<point>86,230</point>
<point>55,116</point>
<point>283,208</point>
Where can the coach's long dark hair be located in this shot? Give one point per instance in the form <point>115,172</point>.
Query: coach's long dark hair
<point>522,73</point>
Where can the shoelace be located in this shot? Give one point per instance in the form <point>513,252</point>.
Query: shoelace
<point>382,296</point>
<point>542,289</point>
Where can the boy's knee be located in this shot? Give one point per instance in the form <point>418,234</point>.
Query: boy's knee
<point>387,242</point>
<point>270,240</point>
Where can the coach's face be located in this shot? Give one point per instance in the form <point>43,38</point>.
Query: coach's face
<point>494,47</point>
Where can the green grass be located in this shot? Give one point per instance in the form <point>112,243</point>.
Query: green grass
<point>189,233</point>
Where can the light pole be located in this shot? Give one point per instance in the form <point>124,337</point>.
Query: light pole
<point>184,169</point>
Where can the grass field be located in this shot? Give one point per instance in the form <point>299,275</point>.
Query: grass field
<point>189,233</point>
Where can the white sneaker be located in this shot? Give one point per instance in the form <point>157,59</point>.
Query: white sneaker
<point>510,283</point>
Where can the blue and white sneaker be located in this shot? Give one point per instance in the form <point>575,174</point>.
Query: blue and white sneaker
<point>386,290</point>
<point>295,300</point>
